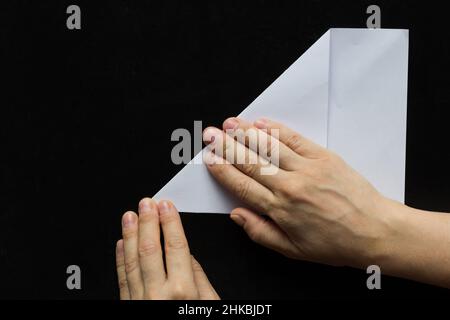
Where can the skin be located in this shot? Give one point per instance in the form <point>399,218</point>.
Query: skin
<point>319,209</point>
<point>143,273</point>
<point>313,207</point>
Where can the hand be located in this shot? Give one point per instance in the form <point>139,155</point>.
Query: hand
<point>142,273</point>
<point>319,209</point>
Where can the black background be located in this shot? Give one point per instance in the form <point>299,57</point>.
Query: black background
<point>86,118</point>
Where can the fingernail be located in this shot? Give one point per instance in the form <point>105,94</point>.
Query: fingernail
<point>128,220</point>
<point>145,205</point>
<point>119,246</point>
<point>209,135</point>
<point>261,123</point>
<point>239,220</point>
<point>164,207</point>
<point>230,124</point>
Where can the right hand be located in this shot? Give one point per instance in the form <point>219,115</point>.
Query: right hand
<point>320,209</point>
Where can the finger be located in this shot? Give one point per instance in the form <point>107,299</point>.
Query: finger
<point>150,253</point>
<point>246,160</point>
<point>263,231</point>
<point>267,145</point>
<point>243,187</point>
<point>292,139</point>
<point>178,257</point>
<point>205,289</point>
<point>132,268</point>
<point>121,275</point>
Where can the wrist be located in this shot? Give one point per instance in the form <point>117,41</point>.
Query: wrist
<point>385,223</point>
<point>394,217</point>
<point>416,246</point>
<point>405,242</point>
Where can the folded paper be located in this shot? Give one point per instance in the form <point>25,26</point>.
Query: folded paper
<point>347,92</point>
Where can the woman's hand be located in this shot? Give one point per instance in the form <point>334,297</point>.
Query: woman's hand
<point>320,209</point>
<point>142,273</point>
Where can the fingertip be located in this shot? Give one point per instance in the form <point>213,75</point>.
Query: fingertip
<point>245,217</point>
<point>210,134</point>
<point>230,124</point>
<point>146,205</point>
<point>238,219</point>
<point>243,212</point>
<point>242,215</point>
<point>128,219</point>
<point>119,246</point>
<point>261,123</point>
<point>145,202</point>
<point>166,206</point>
<point>236,211</point>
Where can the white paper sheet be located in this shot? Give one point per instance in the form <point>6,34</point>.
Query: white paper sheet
<point>347,92</point>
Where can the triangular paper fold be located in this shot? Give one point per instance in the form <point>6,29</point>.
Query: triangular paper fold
<point>347,92</point>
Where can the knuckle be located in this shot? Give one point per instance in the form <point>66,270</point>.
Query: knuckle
<point>168,218</point>
<point>250,169</point>
<point>332,161</point>
<point>283,218</point>
<point>256,231</point>
<point>254,234</point>
<point>146,218</point>
<point>148,248</point>
<point>179,291</point>
<point>322,171</point>
<point>196,266</point>
<point>294,142</point>
<point>242,189</point>
<point>128,233</point>
<point>131,265</point>
<point>123,284</point>
<point>291,190</point>
<point>313,172</point>
<point>120,265</point>
<point>268,203</point>
<point>184,291</point>
<point>176,242</point>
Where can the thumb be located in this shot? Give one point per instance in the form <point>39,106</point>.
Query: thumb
<point>264,231</point>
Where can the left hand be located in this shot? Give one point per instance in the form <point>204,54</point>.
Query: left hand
<point>142,273</point>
